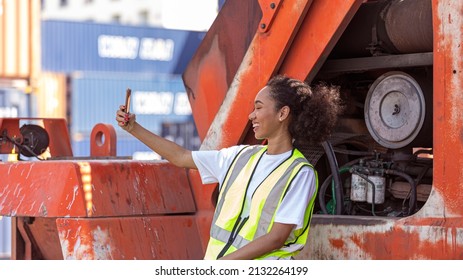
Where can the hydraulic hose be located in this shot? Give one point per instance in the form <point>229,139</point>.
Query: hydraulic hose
<point>321,195</point>
<point>336,176</point>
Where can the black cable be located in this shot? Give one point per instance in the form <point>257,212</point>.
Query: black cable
<point>321,196</point>
<point>23,147</point>
<point>336,176</point>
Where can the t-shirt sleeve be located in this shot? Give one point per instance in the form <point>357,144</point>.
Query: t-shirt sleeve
<point>294,204</point>
<point>213,165</point>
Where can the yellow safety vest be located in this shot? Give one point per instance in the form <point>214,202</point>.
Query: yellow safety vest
<point>229,231</point>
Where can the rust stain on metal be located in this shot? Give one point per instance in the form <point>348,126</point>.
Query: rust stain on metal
<point>337,243</point>
<point>149,238</point>
<point>427,238</point>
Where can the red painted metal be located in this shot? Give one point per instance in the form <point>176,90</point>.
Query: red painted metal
<point>94,188</point>
<point>143,237</point>
<point>204,204</point>
<point>323,25</point>
<point>269,9</point>
<point>124,198</point>
<point>261,61</point>
<point>448,119</point>
<point>212,69</point>
<point>104,141</point>
<point>27,240</point>
<point>60,144</point>
<point>11,127</point>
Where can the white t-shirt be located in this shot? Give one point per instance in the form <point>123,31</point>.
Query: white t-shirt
<point>213,166</point>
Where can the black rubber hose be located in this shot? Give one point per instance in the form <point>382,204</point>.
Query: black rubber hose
<point>336,176</point>
<point>321,195</point>
<point>409,179</point>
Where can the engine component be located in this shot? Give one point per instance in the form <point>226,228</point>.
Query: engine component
<point>358,189</point>
<point>35,140</point>
<point>377,191</point>
<point>394,109</point>
<point>381,27</point>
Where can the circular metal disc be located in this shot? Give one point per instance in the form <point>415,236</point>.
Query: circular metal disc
<point>394,110</point>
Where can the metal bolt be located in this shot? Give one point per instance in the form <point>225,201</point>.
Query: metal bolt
<point>263,25</point>
<point>272,5</point>
<point>396,110</point>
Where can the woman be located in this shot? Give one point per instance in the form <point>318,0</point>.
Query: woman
<point>267,192</point>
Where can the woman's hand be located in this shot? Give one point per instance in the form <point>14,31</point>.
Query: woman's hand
<point>124,120</point>
<point>273,240</point>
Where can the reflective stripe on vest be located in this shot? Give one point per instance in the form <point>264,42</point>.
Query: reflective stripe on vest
<point>229,231</point>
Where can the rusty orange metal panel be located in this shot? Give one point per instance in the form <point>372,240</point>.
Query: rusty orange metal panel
<point>99,188</point>
<point>448,104</point>
<point>210,72</point>
<point>203,195</point>
<point>19,38</point>
<point>141,238</point>
<point>35,238</point>
<point>103,141</point>
<point>260,62</point>
<point>383,238</point>
<point>11,126</point>
<point>59,145</point>
<point>323,25</point>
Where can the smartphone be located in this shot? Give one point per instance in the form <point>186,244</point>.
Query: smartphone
<point>127,100</point>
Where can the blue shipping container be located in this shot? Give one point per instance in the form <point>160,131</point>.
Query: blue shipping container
<point>96,97</point>
<point>82,46</point>
<point>14,103</point>
<point>157,101</point>
<point>184,134</point>
<point>5,238</point>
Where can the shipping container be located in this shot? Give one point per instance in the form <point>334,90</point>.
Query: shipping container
<point>83,46</point>
<point>51,95</point>
<point>14,103</point>
<point>156,100</point>
<point>5,238</point>
<point>19,32</point>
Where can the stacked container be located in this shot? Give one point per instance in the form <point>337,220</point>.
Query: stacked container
<point>100,61</point>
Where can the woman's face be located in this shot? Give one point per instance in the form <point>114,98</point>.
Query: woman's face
<point>265,118</point>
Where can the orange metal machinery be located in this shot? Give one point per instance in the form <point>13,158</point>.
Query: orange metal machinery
<point>398,65</point>
<point>100,207</point>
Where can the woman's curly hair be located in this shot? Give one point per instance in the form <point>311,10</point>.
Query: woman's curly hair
<point>313,110</point>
